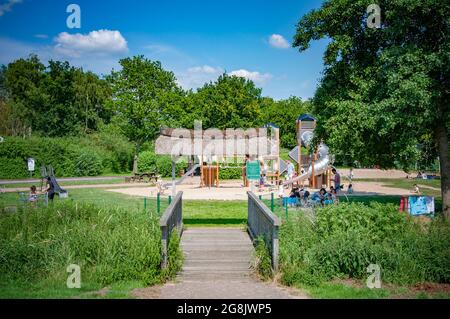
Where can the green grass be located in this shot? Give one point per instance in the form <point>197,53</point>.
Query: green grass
<point>214,213</point>
<point>116,248</point>
<point>340,291</point>
<point>195,212</point>
<point>342,240</point>
<point>337,290</point>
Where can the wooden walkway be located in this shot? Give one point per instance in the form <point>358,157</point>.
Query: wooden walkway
<point>217,265</point>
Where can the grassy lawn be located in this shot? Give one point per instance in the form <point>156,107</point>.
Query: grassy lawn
<point>357,290</point>
<point>195,212</point>
<point>214,213</point>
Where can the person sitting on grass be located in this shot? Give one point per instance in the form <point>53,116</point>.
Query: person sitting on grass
<point>320,196</point>
<point>416,189</point>
<point>332,190</point>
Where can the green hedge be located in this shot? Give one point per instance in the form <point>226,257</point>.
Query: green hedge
<point>75,156</point>
<point>150,162</point>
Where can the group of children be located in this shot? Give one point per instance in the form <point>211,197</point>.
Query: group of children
<point>301,196</point>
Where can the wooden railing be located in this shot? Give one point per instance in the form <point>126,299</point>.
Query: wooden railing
<point>263,223</point>
<point>170,220</point>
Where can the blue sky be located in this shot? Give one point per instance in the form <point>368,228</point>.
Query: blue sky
<point>197,40</point>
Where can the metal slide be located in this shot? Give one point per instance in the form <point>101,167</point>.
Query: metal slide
<point>188,173</point>
<point>320,166</point>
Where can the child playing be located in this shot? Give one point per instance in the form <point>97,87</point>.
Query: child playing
<point>280,189</point>
<point>350,189</point>
<point>33,196</point>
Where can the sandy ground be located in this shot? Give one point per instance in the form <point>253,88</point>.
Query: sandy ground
<point>375,173</point>
<point>233,190</point>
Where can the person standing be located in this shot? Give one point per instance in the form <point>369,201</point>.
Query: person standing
<point>336,180</point>
<point>50,189</point>
<point>290,170</point>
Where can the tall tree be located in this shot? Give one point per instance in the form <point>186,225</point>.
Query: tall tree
<point>284,114</point>
<point>384,88</point>
<point>229,102</point>
<point>139,91</point>
<point>90,96</point>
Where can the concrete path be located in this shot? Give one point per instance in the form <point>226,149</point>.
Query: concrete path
<point>217,266</point>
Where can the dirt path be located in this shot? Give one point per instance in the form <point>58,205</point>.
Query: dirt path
<point>217,266</point>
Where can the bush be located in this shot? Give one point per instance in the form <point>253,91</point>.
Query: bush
<point>150,162</point>
<point>109,245</point>
<point>345,239</point>
<point>73,156</point>
<point>87,163</point>
<point>231,172</point>
<point>12,167</point>
<point>147,161</point>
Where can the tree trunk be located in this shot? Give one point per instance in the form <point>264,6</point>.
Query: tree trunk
<point>136,158</point>
<point>442,142</point>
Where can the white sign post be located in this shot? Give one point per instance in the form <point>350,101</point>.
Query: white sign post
<point>31,166</point>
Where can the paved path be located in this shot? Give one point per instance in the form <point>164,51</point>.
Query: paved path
<point>217,266</point>
<point>60,179</point>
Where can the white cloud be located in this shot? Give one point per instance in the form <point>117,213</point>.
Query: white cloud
<point>257,77</point>
<point>103,42</point>
<point>6,7</point>
<point>16,49</point>
<point>195,77</point>
<point>278,41</point>
<point>205,69</point>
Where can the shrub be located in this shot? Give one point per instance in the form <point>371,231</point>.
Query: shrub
<point>147,161</point>
<point>87,163</point>
<point>72,156</point>
<point>12,167</point>
<point>345,239</point>
<point>230,173</point>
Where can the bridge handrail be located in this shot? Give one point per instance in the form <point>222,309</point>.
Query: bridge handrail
<point>263,223</point>
<point>170,220</point>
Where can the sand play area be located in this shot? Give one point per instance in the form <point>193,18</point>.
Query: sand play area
<point>234,190</point>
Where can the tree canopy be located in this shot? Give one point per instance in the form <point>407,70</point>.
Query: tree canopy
<point>385,90</point>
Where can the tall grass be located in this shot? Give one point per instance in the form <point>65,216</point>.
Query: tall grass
<point>344,240</point>
<point>109,244</point>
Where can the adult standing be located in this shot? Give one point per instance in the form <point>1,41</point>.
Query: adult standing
<point>336,180</point>
<point>50,189</point>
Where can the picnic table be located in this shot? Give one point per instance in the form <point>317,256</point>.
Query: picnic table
<point>142,177</point>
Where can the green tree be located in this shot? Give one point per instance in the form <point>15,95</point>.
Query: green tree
<point>384,88</point>
<point>90,96</point>
<point>229,102</point>
<point>284,114</point>
<point>139,93</point>
<point>57,100</point>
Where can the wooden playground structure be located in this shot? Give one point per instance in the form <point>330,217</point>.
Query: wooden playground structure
<point>199,143</point>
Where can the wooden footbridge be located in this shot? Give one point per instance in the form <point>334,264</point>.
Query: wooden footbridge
<point>218,261</point>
